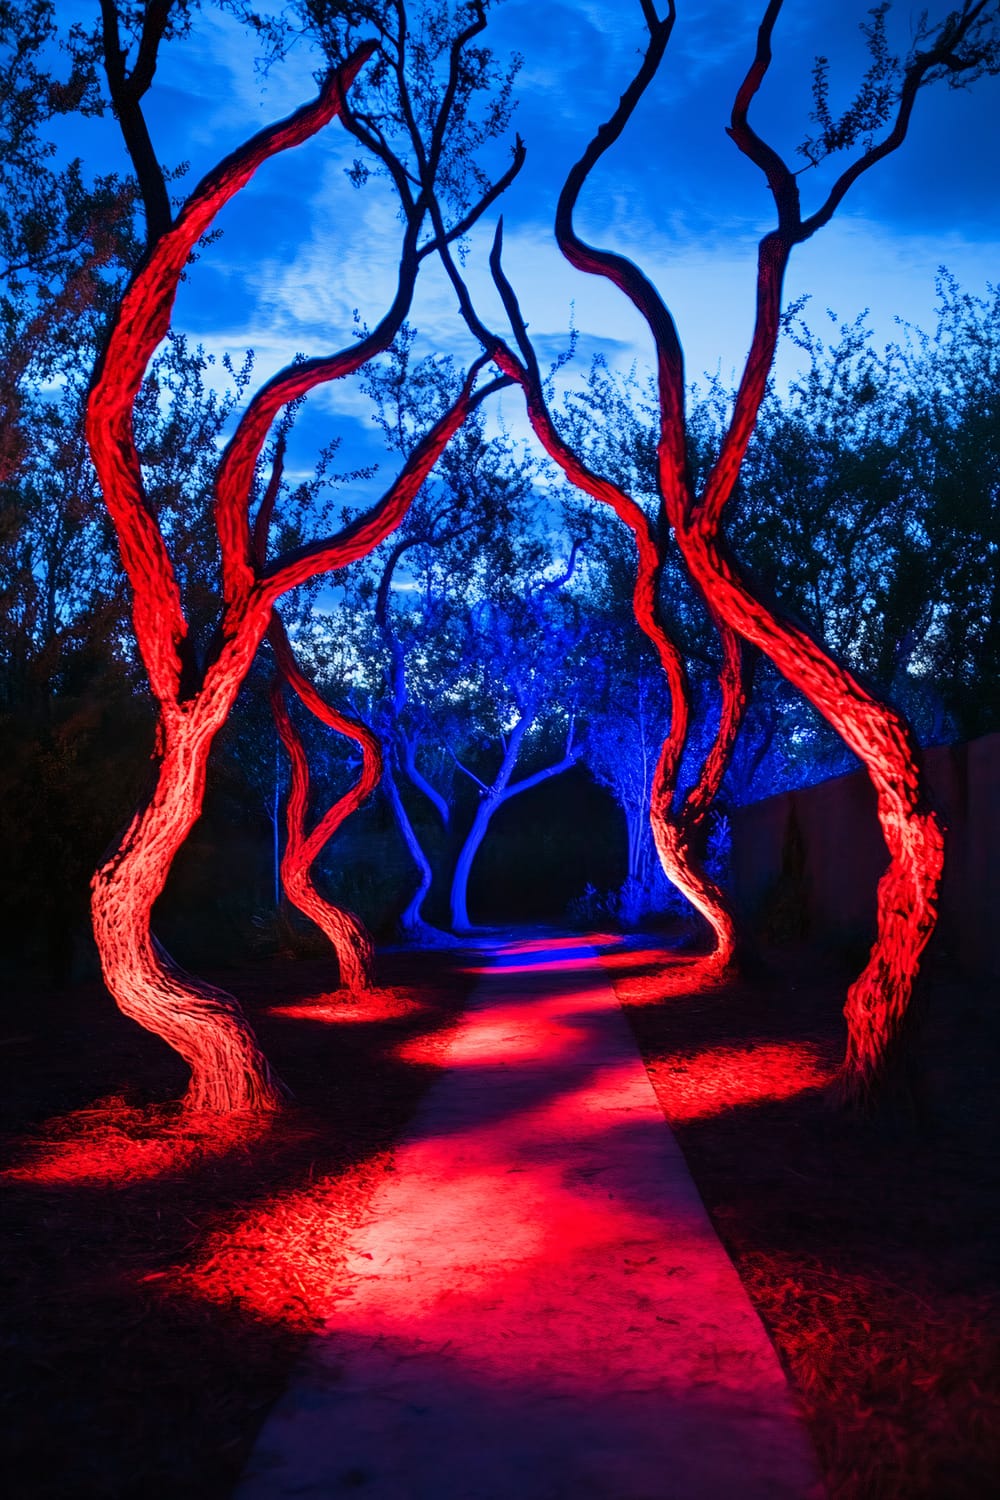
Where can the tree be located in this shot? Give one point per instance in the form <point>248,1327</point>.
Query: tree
<point>194,682</point>
<point>523,656</point>
<point>345,932</point>
<point>962,47</point>
<point>676,829</point>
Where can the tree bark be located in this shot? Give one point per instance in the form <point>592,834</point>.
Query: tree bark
<point>345,932</point>
<point>463,865</point>
<point>203,1024</point>
<point>907,894</point>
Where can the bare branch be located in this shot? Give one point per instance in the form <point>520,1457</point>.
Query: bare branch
<point>358,539</point>
<point>627,276</point>
<point>448,237</point>
<point>465,770</point>
<point>126,90</point>
<point>142,321</point>
<point>262,524</point>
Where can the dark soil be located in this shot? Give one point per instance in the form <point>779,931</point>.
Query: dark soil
<point>869,1246</point>
<point>161,1277</point>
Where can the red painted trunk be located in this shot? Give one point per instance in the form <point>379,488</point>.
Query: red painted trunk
<point>672,828</point>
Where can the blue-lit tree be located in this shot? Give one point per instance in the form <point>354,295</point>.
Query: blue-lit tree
<point>464,604</point>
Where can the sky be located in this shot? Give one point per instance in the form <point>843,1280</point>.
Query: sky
<point>302,249</point>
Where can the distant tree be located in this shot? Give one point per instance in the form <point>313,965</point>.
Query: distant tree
<point>521,657</point>
<point>464,633</point>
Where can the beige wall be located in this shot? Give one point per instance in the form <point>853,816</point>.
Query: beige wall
<point>818,854</point>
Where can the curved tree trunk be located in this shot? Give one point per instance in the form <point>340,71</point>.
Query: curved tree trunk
<point>346,933</point>
<point>203,1024</point>
<point>413,925</point>
<point>907,893</point>
<point>463,865</point>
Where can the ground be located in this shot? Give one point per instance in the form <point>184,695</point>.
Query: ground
<point>160,1277</point>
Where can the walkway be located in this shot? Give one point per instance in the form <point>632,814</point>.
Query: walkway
<point>542,1309</point>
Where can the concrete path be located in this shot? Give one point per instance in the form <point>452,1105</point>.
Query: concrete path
<point>542,1310</point>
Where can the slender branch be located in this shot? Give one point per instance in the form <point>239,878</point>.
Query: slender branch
<point>781,179</point>
<point>463,226</point>
<point>623,274</point>
<point>465,770</point>
<point>126,91</point>
<point>537,777</point>
<point>775,248</point>
<point>459,43</point>
<point>421,782</point>
<point>236,468</point>
<point>365,533</point>
<point>944,54</point>
<point>262,524</point>
<point>142,322</point>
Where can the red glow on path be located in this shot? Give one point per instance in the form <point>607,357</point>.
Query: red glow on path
<point>693,1088</point>
<point>494,1190</point>
<point>114,1144</point>
<point>534,1292</point>
<point>554,944</point>
<point>505,1034</point>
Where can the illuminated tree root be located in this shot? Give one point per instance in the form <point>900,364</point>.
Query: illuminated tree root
<point>346,933</point>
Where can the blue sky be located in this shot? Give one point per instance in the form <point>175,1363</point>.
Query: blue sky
<point>302,249</point>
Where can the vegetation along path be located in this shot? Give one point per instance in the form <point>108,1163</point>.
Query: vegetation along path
<point>538,1306</point>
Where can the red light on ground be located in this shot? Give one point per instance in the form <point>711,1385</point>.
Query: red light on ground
<point>286,1262</point>
<point>500,1036</point>
<point>693,1088</point>
<point>674,978</point>
<point>544,963</point>
<point>114,1144</point>
<point>371,1005</point>
<point>627,959</point>
<point>581,940</point>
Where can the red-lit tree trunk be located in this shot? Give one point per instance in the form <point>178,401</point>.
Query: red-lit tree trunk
<point>907,895</point>
<point>203,1025</point>
<point>675,829</point>
<point>346,932</point>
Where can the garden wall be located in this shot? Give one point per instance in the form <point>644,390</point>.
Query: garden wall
<point>807,863</point>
